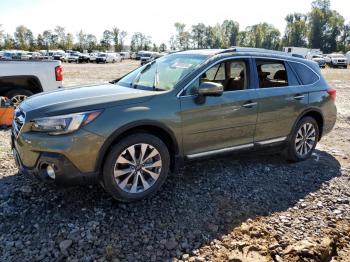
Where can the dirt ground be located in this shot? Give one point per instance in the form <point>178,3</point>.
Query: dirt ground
<point>251,207</point>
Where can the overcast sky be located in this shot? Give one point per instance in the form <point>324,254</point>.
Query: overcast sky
<point>151,17</point>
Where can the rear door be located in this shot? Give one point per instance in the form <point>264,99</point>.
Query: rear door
<point>280,100</point>
<point>220,122</point>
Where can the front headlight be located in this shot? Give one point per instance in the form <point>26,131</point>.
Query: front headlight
<point>64,124</point>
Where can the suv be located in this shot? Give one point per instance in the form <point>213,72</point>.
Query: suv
<point>336,60</point>
<point>130,133</point>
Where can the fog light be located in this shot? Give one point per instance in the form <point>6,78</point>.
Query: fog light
<point>50,172</point>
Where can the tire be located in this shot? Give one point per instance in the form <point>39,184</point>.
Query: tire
<point>122,186</point>
<point>295,147</point>
<point>18,95</point>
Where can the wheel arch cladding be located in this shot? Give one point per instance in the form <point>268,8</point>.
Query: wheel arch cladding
<point>154,128</point>
<point>317,115</point>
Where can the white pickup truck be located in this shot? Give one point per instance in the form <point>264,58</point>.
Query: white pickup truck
<point>20,79</point>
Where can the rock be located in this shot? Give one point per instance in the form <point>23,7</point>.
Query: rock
<point>64,245</point>
<point>171,244</point>
<point>213,228</point>
<point>25,189</point>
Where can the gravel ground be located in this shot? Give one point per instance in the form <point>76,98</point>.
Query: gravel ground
<point>250,207</point>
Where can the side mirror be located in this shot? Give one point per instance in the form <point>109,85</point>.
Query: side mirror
<point>210,89</point>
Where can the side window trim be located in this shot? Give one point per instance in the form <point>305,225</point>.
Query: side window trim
<point>247,59</point>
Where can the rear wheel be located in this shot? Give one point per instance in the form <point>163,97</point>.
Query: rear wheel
<point>136,167</point>
<point>18,95</point>
<point>303,140</point>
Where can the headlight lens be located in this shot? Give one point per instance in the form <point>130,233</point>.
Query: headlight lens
<point>64,124</point>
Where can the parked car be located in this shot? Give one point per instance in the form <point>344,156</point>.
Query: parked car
<point>146,57</point>
<point>319,60</point>
<point>130,133</point>
<point>92,58</point>
<point>348,57</point>
<point>108,58</point>
<point>336,60</point>
<point>33,55</point>
<point>125,55</point>
<point>73,57</point>
<point>21,79</point>
<point>84,58</point>
<point>11,55</point>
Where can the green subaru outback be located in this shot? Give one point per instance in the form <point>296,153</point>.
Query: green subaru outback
<point>129,134</point>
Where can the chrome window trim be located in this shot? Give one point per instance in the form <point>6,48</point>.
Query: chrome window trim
<point>245,57</point>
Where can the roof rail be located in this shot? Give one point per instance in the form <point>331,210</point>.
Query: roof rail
<point>251,49</point>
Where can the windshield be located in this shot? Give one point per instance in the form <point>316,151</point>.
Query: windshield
<point>162,74</point>
<point>102,55</point>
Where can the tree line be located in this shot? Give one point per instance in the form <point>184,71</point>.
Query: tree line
<point>321,28</point>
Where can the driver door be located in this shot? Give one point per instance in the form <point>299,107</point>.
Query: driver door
<point>220,122</point>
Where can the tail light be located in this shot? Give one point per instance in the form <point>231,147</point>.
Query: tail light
<point>332,93</point>
<point>59,73</point>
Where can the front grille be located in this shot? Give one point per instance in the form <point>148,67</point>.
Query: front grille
<point>18,121</point>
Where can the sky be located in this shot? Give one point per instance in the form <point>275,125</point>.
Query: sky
<point>155,18</point>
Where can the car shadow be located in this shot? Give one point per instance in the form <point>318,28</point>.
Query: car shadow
<point>204,201</point>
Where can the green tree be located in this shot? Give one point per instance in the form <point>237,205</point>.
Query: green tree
<point>325,26</point>
<point>2,36</point>
<point>182,36</point>
<point>61,37</point>
<point>230,31</point>
<point>162,47</point>
<point>9,42</point>
<point>106,41</point>
<point>82,43</point>
<point>122,37</point>
<point>296,30</point>
<point>140,42</point>
<point>263,35</point>
<point>69,41</point>
<point>115,34</point>
<point>198,35</point>
<point>23,37</point>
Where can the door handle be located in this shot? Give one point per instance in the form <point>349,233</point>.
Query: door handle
<point>249,104</point>
<point>298,97</point>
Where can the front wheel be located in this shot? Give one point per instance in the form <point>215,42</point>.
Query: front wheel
<point>303,140</point>
<point>136,167</point>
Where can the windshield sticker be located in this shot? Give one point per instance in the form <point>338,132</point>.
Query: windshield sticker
<point>181,65</point>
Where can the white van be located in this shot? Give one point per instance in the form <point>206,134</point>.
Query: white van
<point>108,58</point>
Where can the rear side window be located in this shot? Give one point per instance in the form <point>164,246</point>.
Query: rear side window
<point>271,73</point>
<point>306,75</point>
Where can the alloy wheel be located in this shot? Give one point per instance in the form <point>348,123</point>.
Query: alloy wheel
<point>17,99</point>
<point>137,168</point>
<point>305,139</point>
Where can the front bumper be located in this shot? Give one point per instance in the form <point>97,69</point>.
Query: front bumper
<point>65,172</point>
<point>73,157</point>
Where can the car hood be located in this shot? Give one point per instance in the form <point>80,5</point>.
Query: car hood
<point>79,99</point>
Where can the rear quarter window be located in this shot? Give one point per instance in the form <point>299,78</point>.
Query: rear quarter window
<point>306,75</point>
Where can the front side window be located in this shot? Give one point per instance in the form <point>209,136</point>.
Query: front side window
<point>164,73</point>
<point>271,73</point>
<point>231,74</point>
